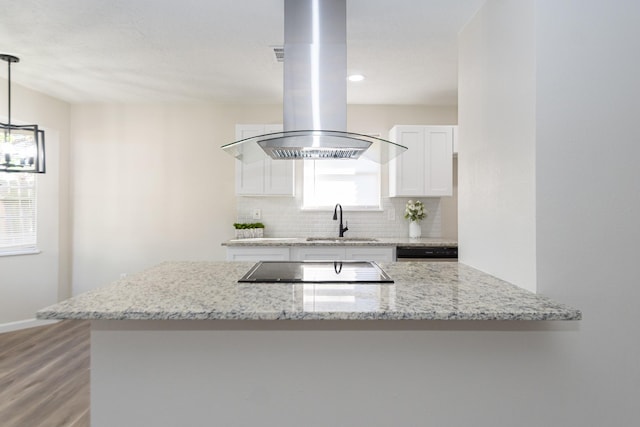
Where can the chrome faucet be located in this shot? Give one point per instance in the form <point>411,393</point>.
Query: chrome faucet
<point>341,229</point>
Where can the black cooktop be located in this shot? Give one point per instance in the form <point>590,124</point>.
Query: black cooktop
<point>316,272</point>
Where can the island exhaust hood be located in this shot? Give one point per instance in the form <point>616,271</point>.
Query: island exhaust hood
<point>315,93</point>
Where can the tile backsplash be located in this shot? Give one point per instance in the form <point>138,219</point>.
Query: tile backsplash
<point>283,217</point>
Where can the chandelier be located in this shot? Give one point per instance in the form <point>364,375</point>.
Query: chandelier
<point>21,146</point>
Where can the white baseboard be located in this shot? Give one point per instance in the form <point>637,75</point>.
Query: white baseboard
<point>24,324</point>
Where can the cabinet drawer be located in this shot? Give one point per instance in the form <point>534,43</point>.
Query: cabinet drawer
<point>367,253</point>
<point>253,253</point>
<point>329,253</point>
<point>348,253</point>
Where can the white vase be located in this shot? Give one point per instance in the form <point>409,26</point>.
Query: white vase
<point>415,231</point>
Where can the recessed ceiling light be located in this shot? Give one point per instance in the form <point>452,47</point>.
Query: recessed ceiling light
<point>356,78</point>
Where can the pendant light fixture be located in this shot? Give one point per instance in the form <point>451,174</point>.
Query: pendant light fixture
<point>21,146</point>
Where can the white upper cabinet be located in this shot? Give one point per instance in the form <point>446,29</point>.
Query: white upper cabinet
<point>266,177</point>
<point>426,168</point>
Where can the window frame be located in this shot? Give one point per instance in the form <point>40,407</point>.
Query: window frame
<point>309,201</point>
<point>25,205</point>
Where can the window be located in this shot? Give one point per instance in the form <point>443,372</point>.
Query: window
<point>352,183</point>
<point>17,213</point>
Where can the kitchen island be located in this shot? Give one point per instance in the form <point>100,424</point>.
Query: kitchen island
<point>184,344</point>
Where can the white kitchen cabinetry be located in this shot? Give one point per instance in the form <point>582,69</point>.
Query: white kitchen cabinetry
<point>311,253</point>
<point>426,168</point>
<point>257,253</point>
<point>265,177</point>
<point>357,253</point>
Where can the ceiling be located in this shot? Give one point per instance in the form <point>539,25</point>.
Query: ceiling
<point>221,50</point>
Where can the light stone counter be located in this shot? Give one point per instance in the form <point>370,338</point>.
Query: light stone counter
<point>209,291</point>
<point>347,241</point>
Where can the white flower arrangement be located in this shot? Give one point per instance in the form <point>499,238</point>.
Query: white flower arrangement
<point>415,211</point>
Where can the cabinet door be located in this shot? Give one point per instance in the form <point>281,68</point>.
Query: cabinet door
<point>328,253</point>
<point>267,176</point>
<point>406,171</point>
<point>249,176</point>
<point>370,253</point>
<point>257,253</point>
<point>278,173</point>
<point>438,159</point>
<point>426,168</point>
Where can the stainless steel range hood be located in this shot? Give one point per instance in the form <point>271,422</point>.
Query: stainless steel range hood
<point>315,93</point>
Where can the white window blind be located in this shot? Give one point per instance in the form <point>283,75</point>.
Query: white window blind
<point>17,212</point>
<point>352,183</point>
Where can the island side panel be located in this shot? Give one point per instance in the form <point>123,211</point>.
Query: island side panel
<point>194,373</point>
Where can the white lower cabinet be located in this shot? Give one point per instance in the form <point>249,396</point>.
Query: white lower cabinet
<point>257,253</point>
<point>347,253</point>
<point>311,253</point>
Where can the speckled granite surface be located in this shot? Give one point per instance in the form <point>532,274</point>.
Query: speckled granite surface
<point>301,241</point>
<point>209,290</point>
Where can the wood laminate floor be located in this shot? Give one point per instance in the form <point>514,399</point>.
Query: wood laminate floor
<point>44,376</point>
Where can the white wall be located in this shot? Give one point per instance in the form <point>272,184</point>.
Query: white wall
<point>587,201</point>
<point>449,208</point>
<point>30,282</point>
<point>150,184</point>
<point>588,192</point>
<point>497,142</point>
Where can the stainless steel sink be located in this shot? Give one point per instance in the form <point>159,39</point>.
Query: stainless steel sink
<point>341,239</point>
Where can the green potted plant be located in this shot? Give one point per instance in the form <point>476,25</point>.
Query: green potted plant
<point>415,212</point>
<point>248,230</point>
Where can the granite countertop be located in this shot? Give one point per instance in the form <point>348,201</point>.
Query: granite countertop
<point>209,290</point>
<point>337,241</point>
